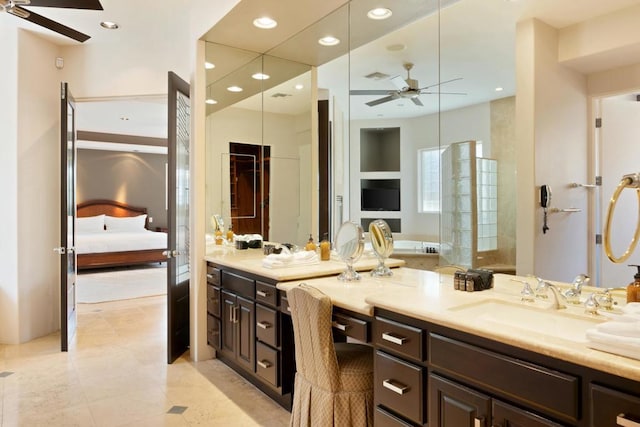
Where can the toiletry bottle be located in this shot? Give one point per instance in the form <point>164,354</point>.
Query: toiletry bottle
<point>229,234</point>
<point>218,235</point>
<point>325,249</point>
<point>310,246</point>
<point>633,290</point>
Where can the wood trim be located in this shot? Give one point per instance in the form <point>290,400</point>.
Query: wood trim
<point>114,259</point>
<point>85,135</point>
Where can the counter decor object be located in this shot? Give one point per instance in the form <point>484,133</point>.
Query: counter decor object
<point>382,244</point>
<point>325,249</point>
<point>473,280</point>
<point>349,246</point>
<point>633,290</point>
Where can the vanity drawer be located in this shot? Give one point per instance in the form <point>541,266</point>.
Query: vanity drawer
<point>267,364</point>
<point>238,284</point>
<point>213,300</point>
<point>382,418</point>
<point>267,325</point>
<point>350,326</point>
<point>284,303</point>
<point>399,386</point>
<point>266,294</point>
<point>213,331</point>
<point>400,338</point>
<point>535,386</point>
<point>610,407</point>
<point>213,275</point>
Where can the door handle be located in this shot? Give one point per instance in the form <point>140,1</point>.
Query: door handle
<point>478,422</point>
<point>60,250</point>
<point>235,314</point>
<point>171,254</point>
<point>625,420</point>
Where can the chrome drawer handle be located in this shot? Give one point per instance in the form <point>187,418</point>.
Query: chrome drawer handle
<point>288,308</point>
<point>402,389</point>
<point>265,364</point>
<point>263,325</point>
<point>262,294</point>
<point>478,422</point>
<point>340,326</point>
<point>623,421</point>
<point>209,276</point>
<point>387,336</point>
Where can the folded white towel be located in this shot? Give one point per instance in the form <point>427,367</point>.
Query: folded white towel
<point>632,308</point>
<point>290,260</point>
<point>624,346</point>
<point>621,329</point>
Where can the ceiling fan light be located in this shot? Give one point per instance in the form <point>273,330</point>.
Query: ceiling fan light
<point>109,25</point>
<point>329,41</point>
<point>265,23</point>
<point>379,13</point>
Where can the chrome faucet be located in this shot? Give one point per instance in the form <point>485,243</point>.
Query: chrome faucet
<point>557,296</point>
<point>541,288</point>
<point>526,294</point>
<point>575,291</point>
<point>602,299</point>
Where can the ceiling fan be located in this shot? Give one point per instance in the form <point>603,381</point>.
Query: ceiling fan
<point>407,88</point>
<point>16,8</point>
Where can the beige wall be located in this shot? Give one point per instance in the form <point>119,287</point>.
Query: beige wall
<point>134,178</point>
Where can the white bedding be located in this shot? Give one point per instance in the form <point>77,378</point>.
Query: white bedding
<point>116,241</point>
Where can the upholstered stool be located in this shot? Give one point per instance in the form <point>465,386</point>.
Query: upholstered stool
<point>334,382</point>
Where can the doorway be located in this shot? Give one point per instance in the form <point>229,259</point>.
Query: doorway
<point>249,172</point>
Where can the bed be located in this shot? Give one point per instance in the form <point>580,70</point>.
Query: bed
<point>110,234</point>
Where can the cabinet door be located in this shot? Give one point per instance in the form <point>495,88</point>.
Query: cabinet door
<point>228,325</point>
<point>245,324</point>
<point>611,408</point>
<point>453,405</point>
<point>505,415</point>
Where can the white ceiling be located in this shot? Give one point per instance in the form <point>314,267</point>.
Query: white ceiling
<point>477,39</point>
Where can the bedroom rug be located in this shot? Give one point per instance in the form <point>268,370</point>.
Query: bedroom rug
<point>113,284</point>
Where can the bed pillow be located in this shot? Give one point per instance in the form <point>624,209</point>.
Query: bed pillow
<point>90,224</point>
<point>130,223</point>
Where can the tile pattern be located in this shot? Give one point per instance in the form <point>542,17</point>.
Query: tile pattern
<point>115,374</point>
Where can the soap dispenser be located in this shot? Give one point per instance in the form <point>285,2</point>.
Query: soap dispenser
<point>325,249</point>
<point>633,290</point>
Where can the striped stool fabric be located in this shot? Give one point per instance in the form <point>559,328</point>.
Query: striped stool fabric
<point>334,382</point>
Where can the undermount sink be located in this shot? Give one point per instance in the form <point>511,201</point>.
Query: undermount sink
<point>544,321</point>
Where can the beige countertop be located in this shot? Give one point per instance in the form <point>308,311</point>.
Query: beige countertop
<point>250,260</point>
<point>430,296</point>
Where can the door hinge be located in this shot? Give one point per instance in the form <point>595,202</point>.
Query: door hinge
<point>598,239</point>
<point>62,91</point>
<point>598,180</point>
<point>598,122</point>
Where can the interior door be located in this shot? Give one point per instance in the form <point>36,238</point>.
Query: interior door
<point>68,267</point>
<point>178,270</point>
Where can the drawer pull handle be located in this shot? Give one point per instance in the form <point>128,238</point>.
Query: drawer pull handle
<point>263,325</point>
<point>262,294</point>
<point>289,309</point>
<point>265,364</point>
<point>624,420</point>
<point>388,336</point>
<point>340,326</point>
<point>402,389</point>
<point>478,422</point>
<point>209,276</point>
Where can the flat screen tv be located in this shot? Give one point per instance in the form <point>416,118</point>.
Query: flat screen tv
<point>380,199</point>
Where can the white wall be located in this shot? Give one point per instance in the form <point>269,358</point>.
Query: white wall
<point>417,133</point>
<point>9,329</point>
<point>551,117</point>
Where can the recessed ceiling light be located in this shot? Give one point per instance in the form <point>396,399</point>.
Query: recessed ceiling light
<point>299,86</point>
<point>329,41</point>
<point>234,89</point>
<point>396,47</point>
<point>109,25</point>
<point>499,89</point>
<point>265,23</point>
<point>211,101</point>
<point>209,65</point>
<point>260,76</point>
<point>379,13</point>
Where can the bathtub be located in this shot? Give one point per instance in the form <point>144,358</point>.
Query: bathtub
<point>411,247</point>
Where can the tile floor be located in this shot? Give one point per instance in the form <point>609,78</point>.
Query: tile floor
<point>116,375</point>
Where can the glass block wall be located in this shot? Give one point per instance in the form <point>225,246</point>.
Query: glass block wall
<point>487,196</point>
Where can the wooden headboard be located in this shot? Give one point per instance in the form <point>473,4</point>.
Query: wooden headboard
<point>109,207</point>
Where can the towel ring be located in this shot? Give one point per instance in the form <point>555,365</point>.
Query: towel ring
<point>627,181</point>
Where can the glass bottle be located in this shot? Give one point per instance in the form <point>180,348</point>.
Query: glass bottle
<point>310,246</point>
<point>325,249</point>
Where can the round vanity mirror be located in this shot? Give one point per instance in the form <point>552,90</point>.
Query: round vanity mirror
<point>382,243</point>
<point>349,246</point>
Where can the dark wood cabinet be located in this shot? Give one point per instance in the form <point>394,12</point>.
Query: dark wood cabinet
<point>505,415</point>
<point>453,405</point>
<point>613,408</point>
<point>238,315</point>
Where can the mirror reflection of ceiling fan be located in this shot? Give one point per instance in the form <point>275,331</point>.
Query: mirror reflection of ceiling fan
<point>16,8</point>
<point>407,88</point>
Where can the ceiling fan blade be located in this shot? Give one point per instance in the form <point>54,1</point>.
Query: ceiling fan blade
<point>68,4</point>
<point>442,93</point>
<point>441,83</point>
<point>48,23</point>
<point>382,100</point>
<point>399,82</point>
<point>417,102</point>
<point>370,92</point>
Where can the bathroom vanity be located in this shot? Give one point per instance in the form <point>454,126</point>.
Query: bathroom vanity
<point>442,357</point>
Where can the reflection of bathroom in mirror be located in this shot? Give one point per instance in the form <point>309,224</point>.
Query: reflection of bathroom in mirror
<point>349,245</point>
<point>382,245</point>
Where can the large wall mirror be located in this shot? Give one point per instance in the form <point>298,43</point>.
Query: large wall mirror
<point>400,95</point>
